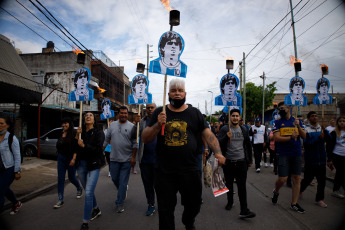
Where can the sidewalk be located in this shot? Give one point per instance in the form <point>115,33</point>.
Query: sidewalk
<point>38,176</point>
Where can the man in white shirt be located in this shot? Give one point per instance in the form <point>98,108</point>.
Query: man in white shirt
<point>259,134</point>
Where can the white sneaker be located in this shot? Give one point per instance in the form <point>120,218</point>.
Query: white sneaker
<point>258,170</point>
<point>271,165</point>
<point>337,194</point>
<point>109,174</point>
<point>266,165</point>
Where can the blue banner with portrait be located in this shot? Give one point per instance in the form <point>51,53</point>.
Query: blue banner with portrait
<point>106,110</point>
<point>139,86</point>
<point>275,116</point>
<point>81,82</point>
<point>170,48</point>
<point>322,97</point>
<point>296,96</point>
<point>228,88</point>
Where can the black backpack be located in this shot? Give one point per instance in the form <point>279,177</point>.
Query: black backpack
<point>10,141</point>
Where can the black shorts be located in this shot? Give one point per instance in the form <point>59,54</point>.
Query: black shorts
<point>289,165</point>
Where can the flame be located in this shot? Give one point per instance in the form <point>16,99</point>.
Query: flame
<point>137,61</point>
<point>76,50</point>
<point>101,90</point>
<point>166,4</point>
<point>294,60</point>
<point>229,58</point>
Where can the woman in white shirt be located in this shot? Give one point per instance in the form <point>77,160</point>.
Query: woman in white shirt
<point>336,156</point>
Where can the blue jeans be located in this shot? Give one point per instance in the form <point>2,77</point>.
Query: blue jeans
<point>119,172</point>
<point>6,179</point>
<point>62,166</point>
<point>88,179</point>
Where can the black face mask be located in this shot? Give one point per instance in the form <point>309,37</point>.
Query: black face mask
<point>177,103</point>
<point>282,113</point>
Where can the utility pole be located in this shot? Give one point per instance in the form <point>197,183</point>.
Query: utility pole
<point>206,107</point>
<point>240,73</point>
<point>147,63</point>
<point>295,45</point>
<point>148,59</point>
<point>263,99</point>
<point>244,87</point>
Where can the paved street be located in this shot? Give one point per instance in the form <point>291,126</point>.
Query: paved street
<point>38,213</point>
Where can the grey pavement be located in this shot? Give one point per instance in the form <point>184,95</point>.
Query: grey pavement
<point>38,213</point>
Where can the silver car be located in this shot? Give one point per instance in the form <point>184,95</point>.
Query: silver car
<point>47,144</point>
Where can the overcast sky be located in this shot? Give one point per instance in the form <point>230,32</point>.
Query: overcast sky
<point>213,30</point>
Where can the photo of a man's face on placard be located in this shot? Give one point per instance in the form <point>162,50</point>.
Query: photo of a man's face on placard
<point>139,86</point>
<point>228,88</point>
<point>296,96</point>
<point>322,97</point>
<point>170,48</point>
<point>275,116</point>
<point>81,82</point>
<point>106,110</point>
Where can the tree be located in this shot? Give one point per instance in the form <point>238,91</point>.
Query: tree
<point>254,98</point>
<point>211,119</point>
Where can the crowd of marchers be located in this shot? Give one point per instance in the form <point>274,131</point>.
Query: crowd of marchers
<point>169,151</point>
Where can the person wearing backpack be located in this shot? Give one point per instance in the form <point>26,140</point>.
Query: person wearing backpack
<point>10,162</point>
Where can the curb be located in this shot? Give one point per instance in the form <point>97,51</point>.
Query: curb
<point>33,194</point>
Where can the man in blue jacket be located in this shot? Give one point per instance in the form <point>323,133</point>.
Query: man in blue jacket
<point>315,158</point>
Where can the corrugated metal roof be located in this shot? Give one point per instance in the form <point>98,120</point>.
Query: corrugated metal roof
<point>13,71</point>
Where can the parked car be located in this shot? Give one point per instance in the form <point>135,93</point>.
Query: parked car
<point>47,144</point>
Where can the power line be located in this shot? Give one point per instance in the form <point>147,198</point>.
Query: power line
<point>323,43</point>
<point>311,11</point>
<point>61,25</point>
<point>42,22</point>
<point>271,30</point>
<point>24,24</point>
<point>34,32</point>
<point>55,24</point>
<point>307,29</point>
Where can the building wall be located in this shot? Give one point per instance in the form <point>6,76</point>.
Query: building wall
<point>55,69</point>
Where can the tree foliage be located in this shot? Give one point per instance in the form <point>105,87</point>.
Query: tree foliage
<point>254,98</point>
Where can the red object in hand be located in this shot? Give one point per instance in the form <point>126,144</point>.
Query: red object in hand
<point>162,131</point>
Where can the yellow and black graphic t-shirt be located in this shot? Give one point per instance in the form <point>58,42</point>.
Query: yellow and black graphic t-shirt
<point>175,133</point>
<point>177,150</point>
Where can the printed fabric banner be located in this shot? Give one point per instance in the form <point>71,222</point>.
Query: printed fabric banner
<point>218,186</point>
<point>170,48</point>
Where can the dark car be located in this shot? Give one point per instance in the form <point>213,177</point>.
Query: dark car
<point>47,144</point>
